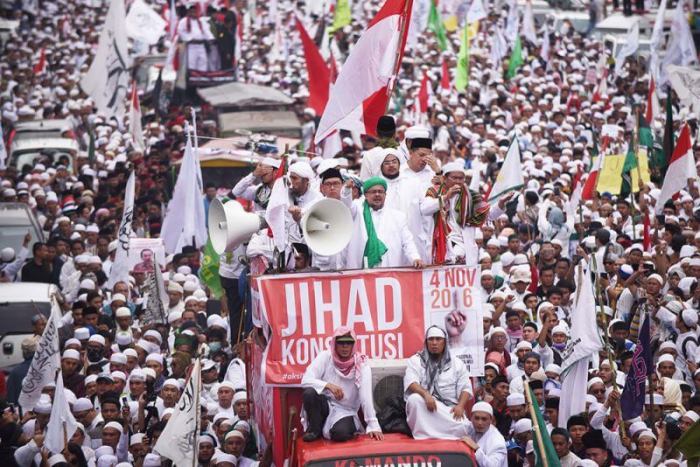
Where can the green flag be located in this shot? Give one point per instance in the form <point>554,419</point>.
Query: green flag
<point>645,137</point>
<point>341,17</point>
<point>628,167</point>
<point>516,59</point>
<point>462,75</point>
<point>544,449</point>
<point>209,271</point>
<point>436,25</point>
<point>689,444</point>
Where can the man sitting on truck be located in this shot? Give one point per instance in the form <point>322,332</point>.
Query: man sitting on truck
<point>337,383</point>
<point>437,390</point>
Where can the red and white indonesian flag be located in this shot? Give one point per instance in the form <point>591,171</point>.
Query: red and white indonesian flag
<point>681,167</point>
<point>653,109</point>
<point>362,89</point>
<point>589,187</point>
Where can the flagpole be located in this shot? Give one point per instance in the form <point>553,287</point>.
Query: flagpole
<point>535,425</point>
<point>399,51</point>
<point>607,343</point>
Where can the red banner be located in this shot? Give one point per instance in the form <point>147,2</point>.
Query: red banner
<point>389,309</point>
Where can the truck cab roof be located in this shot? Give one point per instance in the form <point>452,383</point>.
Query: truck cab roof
<point>395,449</point>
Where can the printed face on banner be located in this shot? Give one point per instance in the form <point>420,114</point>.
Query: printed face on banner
<point>388,309</point>
<point>144,253</point>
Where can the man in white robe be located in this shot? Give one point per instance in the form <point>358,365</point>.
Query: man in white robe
<point>437,390</point>
<point>337,384</point>
<point>484,438</point>
<point>195,33</point>
<point>257,185</point>
<point>380,235</point>
<point>416,177</point>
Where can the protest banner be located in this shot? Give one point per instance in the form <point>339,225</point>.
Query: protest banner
<point>389,309</point>
<point>610,178</point>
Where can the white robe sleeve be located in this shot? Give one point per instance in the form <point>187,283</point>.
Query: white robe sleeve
<point>314,373</point>
<point>496,456</point>
<point>245,188</point>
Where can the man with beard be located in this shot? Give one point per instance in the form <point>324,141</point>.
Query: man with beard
<point>437,390</point>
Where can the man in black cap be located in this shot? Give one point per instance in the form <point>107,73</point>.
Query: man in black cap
<point>596,449</point>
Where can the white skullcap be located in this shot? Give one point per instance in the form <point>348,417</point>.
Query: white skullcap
<point>482,407</point>
<point>523,345</point>
<point>82,405</point>
<point>665,358</point>
<point>456,166</point>
<point>151,460</point>
<point>123,312</point>
<point>97,339</point>
<point>172,382</point>
<point>136,438</point>
<point>435,331</point>
<point>114,425</point>
<point>174,316</point>
<point>514,399</point>
<point>239,434</point>
<point>637,427</point>
<point>228,458</point>
<point>71,354</point>
<point>523,425</point>
<point>692,415</point>
<point>240,396</point>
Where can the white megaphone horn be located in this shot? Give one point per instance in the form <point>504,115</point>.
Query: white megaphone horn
<point>327,227</point>
<point>230,225</point>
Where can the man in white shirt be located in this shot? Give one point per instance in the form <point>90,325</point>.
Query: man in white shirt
<point>337,384</point>
<point>484,438</point>
<point>196,33</point>
<point>257,185</point>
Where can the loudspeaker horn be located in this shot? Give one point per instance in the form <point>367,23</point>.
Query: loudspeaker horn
<point>230,225</point>
<point>327,227</point>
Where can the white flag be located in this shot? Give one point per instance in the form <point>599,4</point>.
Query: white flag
<point>499,48</point>
<point>276,213</point>
<point>178,442</point>
<point>120,267</point>
<point>529,31</point>
<point>107,80</point>
<point>629,48</point>
<point>510,177</point>
<point>3,150</point>
<point>681,48</point>
<point>144,24</point>
<point>573,391</point>
<point>585,338</point>
<point>45,362</point>
<point>476,11</point>
<point>62,423</point>
<point>544,50</point>
<point>419,21</point>
<point>686,82</point>
<point>184,222</point>
<point>135,128</point>
<point>512,22</point>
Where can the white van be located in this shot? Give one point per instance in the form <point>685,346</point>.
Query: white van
<point>19,301</point>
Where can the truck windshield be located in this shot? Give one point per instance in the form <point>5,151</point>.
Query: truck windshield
<point>398,460</point>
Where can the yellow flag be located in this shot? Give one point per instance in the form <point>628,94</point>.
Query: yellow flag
<point>610,177</point>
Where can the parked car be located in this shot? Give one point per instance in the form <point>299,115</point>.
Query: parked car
<point>50,128</point>
<point>19,301</point>
<point>16,219</point>
<point>26,151</point>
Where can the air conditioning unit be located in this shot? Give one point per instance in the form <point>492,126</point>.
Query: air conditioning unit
<point>387,379</point>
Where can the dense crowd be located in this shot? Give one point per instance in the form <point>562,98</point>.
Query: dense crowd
<point>427,170</point>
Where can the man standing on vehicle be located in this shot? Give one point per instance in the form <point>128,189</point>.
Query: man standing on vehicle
<point>437,390</point>
<point>38,270</point>
<point>337,383</point>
